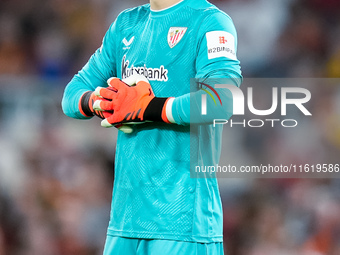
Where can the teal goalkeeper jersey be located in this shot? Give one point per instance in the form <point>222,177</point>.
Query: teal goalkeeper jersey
<point>154,196</point>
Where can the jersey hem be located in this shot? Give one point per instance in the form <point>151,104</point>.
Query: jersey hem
<point>161,236</point>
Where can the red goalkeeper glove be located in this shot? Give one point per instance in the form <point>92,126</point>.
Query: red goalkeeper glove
<point>86,108</point>
<point>130,104</point>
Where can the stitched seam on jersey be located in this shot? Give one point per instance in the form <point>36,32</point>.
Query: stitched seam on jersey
<point>237,76</point>
<point>195,202</point>
<point>165,234</point>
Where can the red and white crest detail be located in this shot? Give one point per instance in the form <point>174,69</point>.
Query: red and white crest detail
<point>175,34</point>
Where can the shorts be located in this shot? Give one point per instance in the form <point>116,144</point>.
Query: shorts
<point>115,245</point>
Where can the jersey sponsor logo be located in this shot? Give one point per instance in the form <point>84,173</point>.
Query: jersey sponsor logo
<point>152,74</point>
<point>223,40</point>
<point>221,44</point>
<point>127,43</point>
<point>175,34</point>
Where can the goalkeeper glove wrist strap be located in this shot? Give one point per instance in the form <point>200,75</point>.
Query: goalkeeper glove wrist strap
<point>156,110</point>
<point>84,104</point>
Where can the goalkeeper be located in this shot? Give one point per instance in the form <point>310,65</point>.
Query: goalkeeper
<point>139,82</point>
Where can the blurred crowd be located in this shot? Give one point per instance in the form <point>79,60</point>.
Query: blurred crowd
<point>56,174</point>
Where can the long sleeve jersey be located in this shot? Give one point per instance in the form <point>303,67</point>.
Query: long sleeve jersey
<point>154,195</point>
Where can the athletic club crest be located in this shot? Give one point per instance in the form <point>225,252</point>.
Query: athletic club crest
<point>175,35</point>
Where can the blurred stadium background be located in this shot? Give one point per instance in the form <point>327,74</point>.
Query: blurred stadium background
<point>56,173</point>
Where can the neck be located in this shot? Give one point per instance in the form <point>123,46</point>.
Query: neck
<point>162,4</point>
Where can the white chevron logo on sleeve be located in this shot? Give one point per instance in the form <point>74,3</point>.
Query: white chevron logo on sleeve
<point>128,43</point>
